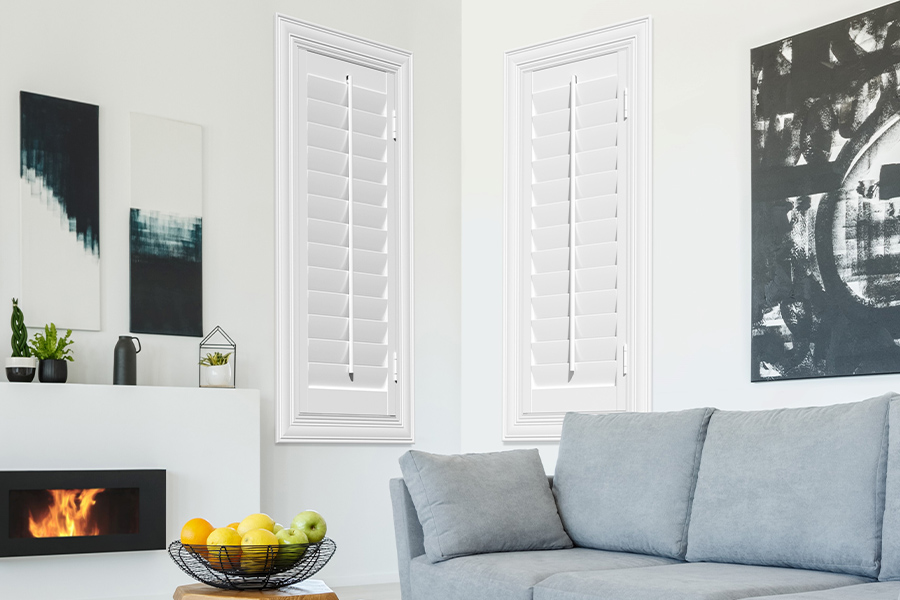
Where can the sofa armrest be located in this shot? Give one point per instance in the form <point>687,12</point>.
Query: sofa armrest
<point>408,532</point>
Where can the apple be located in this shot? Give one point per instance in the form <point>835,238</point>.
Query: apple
<point>312,524</point>
<point>293,546</point>
<point>291,536</point>
<point>277,527</point>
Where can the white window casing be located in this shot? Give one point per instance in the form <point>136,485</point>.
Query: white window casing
<point>343,237</point>
<point>577,237</point>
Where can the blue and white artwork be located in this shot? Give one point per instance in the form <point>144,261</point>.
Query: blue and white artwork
<point>166,227</point>
<point>60,211</point>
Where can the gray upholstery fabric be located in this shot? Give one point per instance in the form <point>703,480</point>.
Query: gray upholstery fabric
<point>696,581</point>
<point>510,575</point>
<point>799,487</point>
<point>407,532</point>
<point>624,482</point>
<point>890,542</point>
<point>476,503</point>
<point>888,590</point>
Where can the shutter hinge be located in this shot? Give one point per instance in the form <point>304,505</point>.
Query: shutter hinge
<point>624,104</point>
<point>624,360</point>
<point>394,124</point>
<point>395,367</point>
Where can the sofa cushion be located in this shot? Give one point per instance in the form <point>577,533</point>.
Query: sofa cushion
<point>800,487</point>
<point>511,575</point>
<point>888,590</point>
<point>624,482</point>
<point>476,503</point>
<point>697,581</point>
<point>890,533</point>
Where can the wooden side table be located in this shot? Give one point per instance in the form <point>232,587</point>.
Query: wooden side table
<point>307,590</point>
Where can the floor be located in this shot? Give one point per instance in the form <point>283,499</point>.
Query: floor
<point>383,591</point>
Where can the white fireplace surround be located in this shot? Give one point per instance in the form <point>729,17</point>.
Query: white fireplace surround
<point>206,439</point>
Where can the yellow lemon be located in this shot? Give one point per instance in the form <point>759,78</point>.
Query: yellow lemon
<point>257,560</point>
<point>256,521</point>
<point>224,558</point>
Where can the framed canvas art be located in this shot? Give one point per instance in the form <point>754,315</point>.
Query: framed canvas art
<point>825,127</point>
<point>60,211</point>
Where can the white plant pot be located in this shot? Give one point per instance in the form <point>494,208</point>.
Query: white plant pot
<point>218,376</point>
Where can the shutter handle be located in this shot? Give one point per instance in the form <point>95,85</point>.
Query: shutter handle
<point>572,89</point>
<point>350,361</point>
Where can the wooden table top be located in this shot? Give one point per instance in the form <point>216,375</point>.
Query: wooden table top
<point>306,590</point>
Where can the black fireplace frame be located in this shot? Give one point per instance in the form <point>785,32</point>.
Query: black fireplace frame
<point>151,485</point>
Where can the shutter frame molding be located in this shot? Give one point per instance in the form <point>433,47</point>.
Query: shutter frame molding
<point>291,318</point>
<point>634,38</point>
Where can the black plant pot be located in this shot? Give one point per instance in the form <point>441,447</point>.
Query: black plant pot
<point>53,370</point>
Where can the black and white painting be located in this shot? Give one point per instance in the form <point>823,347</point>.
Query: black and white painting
<point>166,227</point>
<point>826,200</point>
<point>60,211</point>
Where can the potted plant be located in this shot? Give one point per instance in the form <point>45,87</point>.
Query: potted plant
<point>53,352</point>
<point>218,371</point>
<point>21,365</point>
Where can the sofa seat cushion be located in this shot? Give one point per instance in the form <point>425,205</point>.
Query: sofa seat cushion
<point>624,482</point>
<point>794,487</point>
<point>511,575</point>
<point>695,581</point>
<point>889,590</point>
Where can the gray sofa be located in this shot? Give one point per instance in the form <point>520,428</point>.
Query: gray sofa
<point>794,504</point>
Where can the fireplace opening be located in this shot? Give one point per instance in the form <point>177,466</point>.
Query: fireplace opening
<point>73,513</point>
<point>70,512</point>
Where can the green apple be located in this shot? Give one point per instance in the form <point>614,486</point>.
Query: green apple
<point>291,536</point>
<point>312,524</point>
<point>277,527</point>
<point>292,544</point>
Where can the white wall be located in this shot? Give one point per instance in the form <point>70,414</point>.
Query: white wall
<point>701,200</point>
<point>211,62</point>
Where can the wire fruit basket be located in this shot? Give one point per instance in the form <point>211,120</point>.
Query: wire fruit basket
<point>251,567</point>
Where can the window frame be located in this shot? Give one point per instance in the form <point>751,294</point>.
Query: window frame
<point>292,35</point>
<point>635,38</point>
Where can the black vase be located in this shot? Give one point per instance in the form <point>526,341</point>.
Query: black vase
<point>53,370</point>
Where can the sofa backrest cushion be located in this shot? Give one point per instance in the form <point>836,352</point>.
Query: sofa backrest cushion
<point>890,533</point>
<point>624,481</point>
<point>477,503</point>
<point>797,487</point>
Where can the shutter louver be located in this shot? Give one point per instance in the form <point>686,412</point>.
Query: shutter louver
<point>348,184</point>
<point>575,288</point>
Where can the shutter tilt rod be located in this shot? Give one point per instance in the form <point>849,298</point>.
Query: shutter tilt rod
<point>350,220</point>
<point>572,86</point>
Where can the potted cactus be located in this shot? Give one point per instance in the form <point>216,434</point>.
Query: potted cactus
<point>21,366</point>
<point>53,352</point>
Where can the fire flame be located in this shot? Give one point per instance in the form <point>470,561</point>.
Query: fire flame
<point>68,515</point>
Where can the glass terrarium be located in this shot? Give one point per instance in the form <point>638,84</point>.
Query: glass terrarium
<point>217,360</point>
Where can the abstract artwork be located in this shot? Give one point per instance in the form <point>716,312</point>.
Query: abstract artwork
<point>60,211</point>
<point>166,227</point>
<point>825,130</point>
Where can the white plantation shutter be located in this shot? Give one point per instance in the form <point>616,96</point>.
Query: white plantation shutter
<point>344,323</point>
<point>577,259</point>
<point>576,287</point>
<point>348,185</point>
